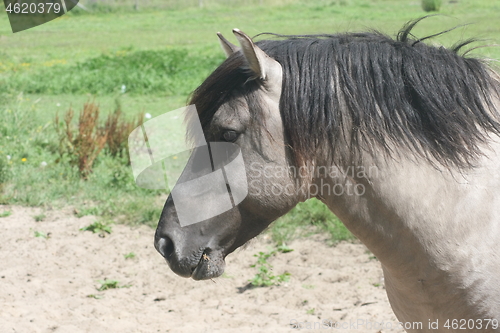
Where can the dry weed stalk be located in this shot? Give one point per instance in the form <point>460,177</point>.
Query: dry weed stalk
<point>84,146</point>
<point>118,131</point>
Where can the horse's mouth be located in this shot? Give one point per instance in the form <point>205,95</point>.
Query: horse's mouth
<point>211,265</point>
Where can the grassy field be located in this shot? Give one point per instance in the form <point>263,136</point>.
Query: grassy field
<point>160,53</point>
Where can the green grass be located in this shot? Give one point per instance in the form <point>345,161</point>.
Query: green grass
<point>161,53</point>
<point>28,136</point>
<point>99,227</point>
<point>265,276</point>
<point>5,213</point>
<point>39,217</point>
<point>173,71</point>
<point>41,234</point>
<point>110,284</point>
<point>73,38</point>
<point>305,219</point>
<point>310,311</point>
<point>431,5</point>
<point>130,255</point>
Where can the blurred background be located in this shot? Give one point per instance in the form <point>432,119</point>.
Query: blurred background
<point>71,90</point>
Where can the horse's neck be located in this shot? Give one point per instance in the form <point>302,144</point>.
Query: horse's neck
<point>423,224</point>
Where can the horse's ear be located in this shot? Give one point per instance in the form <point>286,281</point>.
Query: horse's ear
<point>228,47</point>
<point>259,62</point>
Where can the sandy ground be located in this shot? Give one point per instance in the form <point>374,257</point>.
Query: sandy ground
<point>45,284</point>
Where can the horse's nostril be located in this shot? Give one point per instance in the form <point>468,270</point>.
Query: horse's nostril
<point>165,246</point>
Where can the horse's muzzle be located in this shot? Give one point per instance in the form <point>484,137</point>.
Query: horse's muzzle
<point>201,264</point>
<point>183,266</point>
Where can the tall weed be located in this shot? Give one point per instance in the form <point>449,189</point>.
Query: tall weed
<point>118,130</point>
<point>83,144</point>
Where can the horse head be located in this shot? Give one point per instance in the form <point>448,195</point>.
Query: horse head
<point>239,104</point>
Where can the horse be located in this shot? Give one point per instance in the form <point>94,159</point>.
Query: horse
<point>399,138</point>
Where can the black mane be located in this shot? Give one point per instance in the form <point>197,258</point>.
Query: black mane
<point>354,92</point>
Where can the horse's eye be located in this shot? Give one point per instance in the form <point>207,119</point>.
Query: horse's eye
<point>230,136</point>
